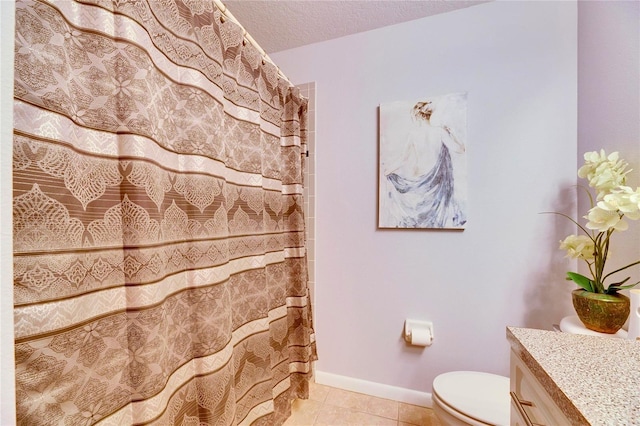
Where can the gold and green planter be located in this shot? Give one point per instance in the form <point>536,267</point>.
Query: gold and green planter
<point>605,313</point>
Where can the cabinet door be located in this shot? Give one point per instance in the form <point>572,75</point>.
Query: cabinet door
<point>530,403</point>
<point>517,418</point>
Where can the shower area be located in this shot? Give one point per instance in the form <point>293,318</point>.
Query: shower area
<point>162,218</point>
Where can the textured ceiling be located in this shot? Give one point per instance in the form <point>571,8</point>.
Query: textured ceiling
<point>282,24</point>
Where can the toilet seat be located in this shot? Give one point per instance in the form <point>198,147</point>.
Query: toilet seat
<point>474,397</point>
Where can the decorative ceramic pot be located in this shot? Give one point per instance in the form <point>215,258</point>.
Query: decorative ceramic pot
<point>605,313</point>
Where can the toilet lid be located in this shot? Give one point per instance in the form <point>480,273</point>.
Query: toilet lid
<point>482,396</point>
<point>573,325</point>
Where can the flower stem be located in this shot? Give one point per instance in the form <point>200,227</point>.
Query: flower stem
<point>622,269</point>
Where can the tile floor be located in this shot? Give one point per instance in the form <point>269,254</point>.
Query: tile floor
<point>336,407</point>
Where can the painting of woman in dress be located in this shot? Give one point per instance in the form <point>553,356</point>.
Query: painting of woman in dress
<point>423,163</point>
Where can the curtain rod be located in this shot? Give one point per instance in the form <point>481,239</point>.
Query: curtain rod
<point>227,14</point>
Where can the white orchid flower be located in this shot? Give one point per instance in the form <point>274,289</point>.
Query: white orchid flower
<point>602,220</point>
<point>604,172</point>
<point>623,200</point>
<point>614,203</point>
<point>578,247</point>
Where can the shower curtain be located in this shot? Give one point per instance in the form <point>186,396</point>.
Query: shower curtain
<point>160,268</point>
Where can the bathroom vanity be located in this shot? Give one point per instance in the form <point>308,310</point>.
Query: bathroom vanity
<point>570,379</point>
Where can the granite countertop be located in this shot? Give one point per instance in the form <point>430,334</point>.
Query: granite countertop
<point>594,380</point>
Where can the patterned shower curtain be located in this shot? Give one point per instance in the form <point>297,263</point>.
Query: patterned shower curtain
<point>160,270</point>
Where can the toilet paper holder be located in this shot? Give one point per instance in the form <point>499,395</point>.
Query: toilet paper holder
<point>418,333</point>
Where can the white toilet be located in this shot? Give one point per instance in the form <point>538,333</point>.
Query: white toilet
<point>573,325</point>
<point>471,398</point>
<point>480,399</point>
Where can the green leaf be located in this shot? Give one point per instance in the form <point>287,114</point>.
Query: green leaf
<point>613,288</point>
<point>581,280</point>
<point>618,284</point>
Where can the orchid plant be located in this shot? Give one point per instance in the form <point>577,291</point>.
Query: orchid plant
<point>614,203</point>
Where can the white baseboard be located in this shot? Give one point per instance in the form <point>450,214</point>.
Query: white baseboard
<point>408,396</point>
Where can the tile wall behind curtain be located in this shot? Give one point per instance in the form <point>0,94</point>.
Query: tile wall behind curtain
<point>308,90</point>
<point>160,269</point>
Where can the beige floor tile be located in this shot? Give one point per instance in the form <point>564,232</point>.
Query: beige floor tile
<point>330,415</point>
<point>416,415</point>
<point>328,406</point>
<point>382,407</point>
<point>303,412</point>
<point>318,392</point>
<point>346,399</point>
<point>365,419</point>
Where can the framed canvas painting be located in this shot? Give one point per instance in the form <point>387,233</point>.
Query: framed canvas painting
<point>422,170</point>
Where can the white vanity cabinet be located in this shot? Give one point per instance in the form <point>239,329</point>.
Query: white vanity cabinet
<point>530,403</point>
<point>562,379</point>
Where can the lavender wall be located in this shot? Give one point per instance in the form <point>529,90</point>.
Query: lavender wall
<point>504,269</point>
<point>7,377</point>
<point>609,100</point>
